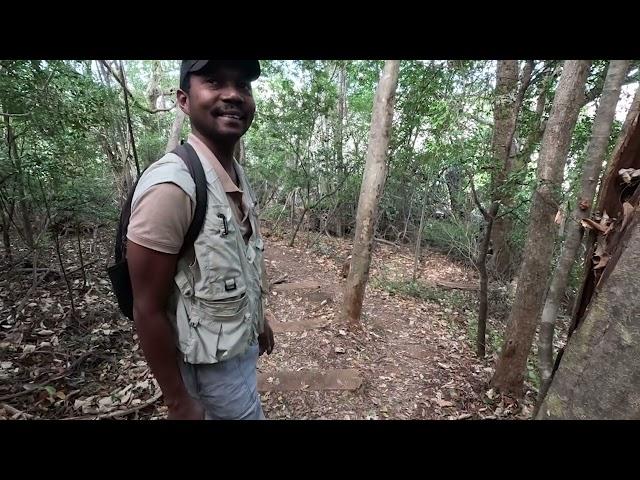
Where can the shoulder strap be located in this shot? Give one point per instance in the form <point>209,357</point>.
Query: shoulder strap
<point>191,160</point>
<point>121,243</point>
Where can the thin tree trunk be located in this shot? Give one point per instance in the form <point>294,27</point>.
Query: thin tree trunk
<point>126,106</point>
<point>416,261</point>
<point>6,239</point>
<point>176,128</point>
<point>26,222</point>
<point>23,205</point>
<point>408,217</point>
<point>295,231</point>
<point>239,152</point>
<point>573,234</point>
<point>84,275</point>
<point>59,255</point>
<point>534,272</point>
<point>293,208</point>
<point>453,179</point>
<point>154,91</point>
<point>481,264</point>
<point>371,191</point>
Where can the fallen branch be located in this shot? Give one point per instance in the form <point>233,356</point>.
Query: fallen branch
<point>457,285</point>
<point>37,270</point>
<point>387,242</point>
<point>15,412</point>
<point>85,266</point>
<point>279,280</point>
<point>119,413</point>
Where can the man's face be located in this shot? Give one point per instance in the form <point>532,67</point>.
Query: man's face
<point>220,103</point>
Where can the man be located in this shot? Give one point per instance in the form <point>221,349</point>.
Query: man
<point>207,302</point>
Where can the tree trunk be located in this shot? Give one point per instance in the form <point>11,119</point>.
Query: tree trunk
<point>293,209</point>
<point>534,272</point>
<point>502,193</point>
<point>23,205</point>
<point>84,273</point>
<point>342,95</point>
<point>416,261</point>
<point>238,152</point>
<point>6,239</point>
<point>481,264</point>
<point>505,113</point>
<point>176,128</point>
<point>295,230</point>
<point>128,113</point>
<point>573,231</point>
<point>25,210</point>
<point>154,90</point>
<point>371,191</point>
<point>611,195</point>
<point>599,376</point>
<point>453,179</point>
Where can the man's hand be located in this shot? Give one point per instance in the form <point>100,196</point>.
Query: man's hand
<point>265,339</point>
<point>185,408</point>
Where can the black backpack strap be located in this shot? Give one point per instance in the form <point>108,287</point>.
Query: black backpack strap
<point>121,244</point>
<point>191,160</point>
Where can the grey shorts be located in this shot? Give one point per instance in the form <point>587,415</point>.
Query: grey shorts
<point>227,390</point>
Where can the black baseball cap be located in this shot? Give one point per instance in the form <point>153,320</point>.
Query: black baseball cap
<point>251,67</point>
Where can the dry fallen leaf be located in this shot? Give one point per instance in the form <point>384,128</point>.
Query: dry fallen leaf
<point>442,403</point>
<point>591,225</point>
<point>627,210</point>
<point>602,262</point>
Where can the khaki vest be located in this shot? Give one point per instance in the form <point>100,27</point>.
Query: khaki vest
<point>216,306</point>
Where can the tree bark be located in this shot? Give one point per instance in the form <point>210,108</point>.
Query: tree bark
<point>297,228</point>
<point>599,376</point>
<point>23,205</point>
<point>154,90</point>
<point>505,113</point>
<point>371,191</point>
<point>596,150</point>
<point>6,238</point>
<point>416,261</point>
<point>84,273</point>
<point>126,106</point>
<point>239,152</point>
<point>626,154</point>
<point>503,194</point>
<point>453,179</point>
<point>176,128</point>
<point>534,272</point>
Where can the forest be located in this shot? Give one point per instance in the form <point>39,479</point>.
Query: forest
<point>444,239</point>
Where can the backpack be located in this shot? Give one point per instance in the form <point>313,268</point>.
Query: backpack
<point>119,272</point>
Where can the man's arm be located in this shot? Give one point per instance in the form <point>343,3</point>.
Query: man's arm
<point>152,274</point>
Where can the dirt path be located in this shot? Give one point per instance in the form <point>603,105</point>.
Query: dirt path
<point>413,355</point>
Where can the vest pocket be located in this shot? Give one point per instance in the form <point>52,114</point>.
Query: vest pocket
<point>219,263</point>
<point>218,329</point>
